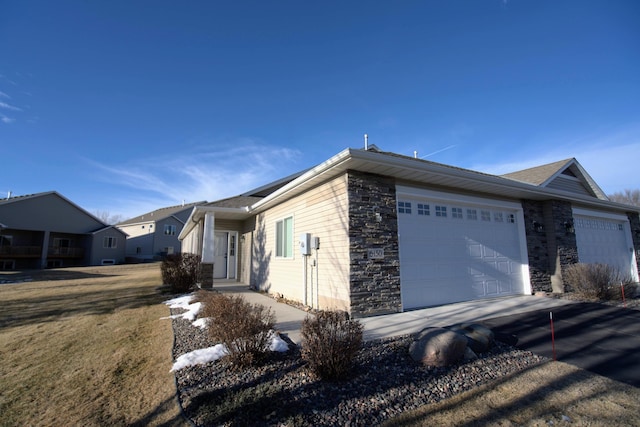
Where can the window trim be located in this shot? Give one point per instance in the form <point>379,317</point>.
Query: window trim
<point>281,241</point>
<point>106,245</point>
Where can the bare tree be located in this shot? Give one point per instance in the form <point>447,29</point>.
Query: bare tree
<point>629,197</point>
<point>107,218</point>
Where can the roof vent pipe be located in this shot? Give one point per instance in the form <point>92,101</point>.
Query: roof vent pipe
<point>415,154</point>
<point>366,141</point>
<point>9,194</point>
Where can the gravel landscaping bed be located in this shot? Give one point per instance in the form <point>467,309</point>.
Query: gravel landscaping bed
<point>281,391</point>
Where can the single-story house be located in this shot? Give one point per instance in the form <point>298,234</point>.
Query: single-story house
<point>47,230</point>
<point>153,235</point>
<point>374,232</point>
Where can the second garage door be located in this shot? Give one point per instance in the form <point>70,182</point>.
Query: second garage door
<point>458,249</point>
<point>605,239</point>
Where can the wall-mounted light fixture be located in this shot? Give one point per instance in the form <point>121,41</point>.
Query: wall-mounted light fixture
<point>568,226</point>
<point>242,238</point>
<point>538,227</point>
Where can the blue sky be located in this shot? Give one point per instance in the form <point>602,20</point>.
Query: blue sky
<point>127,106</point>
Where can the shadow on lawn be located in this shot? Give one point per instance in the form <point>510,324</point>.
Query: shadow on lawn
<point>44,308</point>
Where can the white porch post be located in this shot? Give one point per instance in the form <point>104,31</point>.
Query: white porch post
<point>208,243</point>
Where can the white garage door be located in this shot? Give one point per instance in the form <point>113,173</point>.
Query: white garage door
<point>460,249</point>
<point>604,240</point>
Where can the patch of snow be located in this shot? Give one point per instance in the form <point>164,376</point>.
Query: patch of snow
<point>278,344</point>
<point>200,357</point>
<point>201,323</point>
<point>184,302</point>
<point>211,354</point>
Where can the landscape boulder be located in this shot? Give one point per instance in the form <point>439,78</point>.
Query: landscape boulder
<point>479,338</point>
<point>438,347</point>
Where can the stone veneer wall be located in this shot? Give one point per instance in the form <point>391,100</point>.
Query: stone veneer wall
<point>634,222</point>
<point>374,283</point>
<point>552,249</point>
<point>563,247</point>
<point>206,275</point>
<point>537,244</point>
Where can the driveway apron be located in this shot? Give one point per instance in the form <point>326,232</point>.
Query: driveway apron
<point>599,338</point>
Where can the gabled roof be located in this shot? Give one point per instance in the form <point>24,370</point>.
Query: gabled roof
<point>17,199</point>
<point>410,170</point>
<point>269,188</point>
<point>567,175</point>
<point>538,175</point>
<point>160,214</point>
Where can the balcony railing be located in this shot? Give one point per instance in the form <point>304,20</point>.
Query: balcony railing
<point>65,252</point>
<point>20,251</point>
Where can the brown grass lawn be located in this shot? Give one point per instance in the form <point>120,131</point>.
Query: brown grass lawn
<point>86,346</point>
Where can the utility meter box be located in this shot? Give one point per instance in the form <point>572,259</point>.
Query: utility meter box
<point>315,243</point>
<point>305,244</point>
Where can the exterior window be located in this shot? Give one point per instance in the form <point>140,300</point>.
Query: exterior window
<point>138,250</point>
<point>284,238</point>
<point>472,214</point>
<point>619,227</point>
<point>498,217</point>
<point>404,207</point>
<point>511,218</point>
<point>170,230</point>
<point>456,213</point>
<point>485,215</point>
<point>423,209</point>
<point>441,211</point>
<point>110,242</point>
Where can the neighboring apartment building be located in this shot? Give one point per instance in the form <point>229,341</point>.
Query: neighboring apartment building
<point>155,234</point>
<point>46,230</point>
<point>374,232</point>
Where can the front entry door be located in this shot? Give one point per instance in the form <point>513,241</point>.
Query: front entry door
<point>220,254</point>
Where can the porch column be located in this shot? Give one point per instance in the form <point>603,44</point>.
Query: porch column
<point>45,250</point>
<point>208,242</point>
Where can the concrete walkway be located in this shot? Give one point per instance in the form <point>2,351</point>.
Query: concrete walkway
<point>289,319</point>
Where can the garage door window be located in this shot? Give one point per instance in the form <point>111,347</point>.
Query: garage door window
<point>441,211</point>
<point>485,215</point>
<point>472,215</point>
<point>423,209</point>
<point>456,213</point>
<point>404,207</point>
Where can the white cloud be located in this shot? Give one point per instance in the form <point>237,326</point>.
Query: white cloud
<point>5,119</point>
<point>9,107</point>
<point>4,95</point>
<point>202,173</point>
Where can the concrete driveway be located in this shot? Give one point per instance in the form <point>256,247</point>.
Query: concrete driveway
<point>595,337</point>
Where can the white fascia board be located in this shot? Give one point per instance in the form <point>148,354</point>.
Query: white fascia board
<point>199,212</point>
<point>314,172</point>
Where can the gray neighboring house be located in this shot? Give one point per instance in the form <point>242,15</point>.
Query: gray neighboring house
<point>155,234</point>
<point>47,230</point>
<point>374,232</point>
